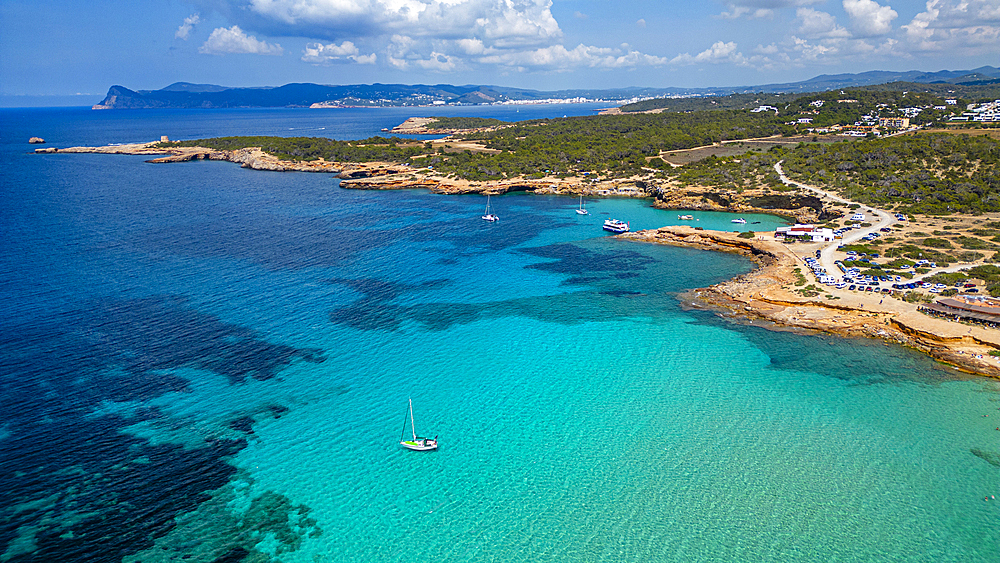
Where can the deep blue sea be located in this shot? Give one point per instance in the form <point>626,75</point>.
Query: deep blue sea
<point>200,362</point>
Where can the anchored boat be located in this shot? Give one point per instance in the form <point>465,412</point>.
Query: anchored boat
<point>418,443</point>
<point>615,226</point>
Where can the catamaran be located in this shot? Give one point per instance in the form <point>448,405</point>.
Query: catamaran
<point>418,443</point>
<point>489,216</point>
<point>582,210</point>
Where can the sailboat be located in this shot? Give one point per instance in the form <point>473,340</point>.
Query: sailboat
<point>418,443</point>
<point>489,216</point>
<point>582,210</point>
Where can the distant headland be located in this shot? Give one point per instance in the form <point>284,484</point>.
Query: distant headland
<point>184,95</point>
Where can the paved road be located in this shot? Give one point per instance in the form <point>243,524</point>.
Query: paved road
<point>885,219</point>
<point>826,254</point>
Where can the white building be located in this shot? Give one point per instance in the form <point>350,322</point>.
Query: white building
<point>805,231</point>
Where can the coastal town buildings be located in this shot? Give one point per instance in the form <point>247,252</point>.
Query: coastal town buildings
<point>894,122</point>
<point>984,113</point>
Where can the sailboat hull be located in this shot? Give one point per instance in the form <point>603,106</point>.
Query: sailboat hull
<point>419,446</point>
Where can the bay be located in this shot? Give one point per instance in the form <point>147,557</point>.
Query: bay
<point>206,361</point>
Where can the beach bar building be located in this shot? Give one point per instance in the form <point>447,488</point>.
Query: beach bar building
<point>804,232</point>
<point>961,307</point>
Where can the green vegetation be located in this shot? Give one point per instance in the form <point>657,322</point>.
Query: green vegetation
<point>465,123</point>
<point>800,280</point>
<point>313,148</point>
<point>861,248</point>
<point>972,243</point>
<point>925,173</point>
<point>615,146</point>
<point>948,278</point>
<point>936,243</point>
<point>708,103</point>
<point>808,291</point>
<point>989,274</point>
<point>935,174</point>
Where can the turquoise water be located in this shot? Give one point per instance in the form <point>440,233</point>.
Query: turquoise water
<point>211,362</point>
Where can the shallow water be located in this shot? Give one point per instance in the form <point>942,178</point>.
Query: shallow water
<point>209,361</point>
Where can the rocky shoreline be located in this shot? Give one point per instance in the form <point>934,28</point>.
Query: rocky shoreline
<point>766,294</point>
<point>396,176</point>
<point>251,157</point>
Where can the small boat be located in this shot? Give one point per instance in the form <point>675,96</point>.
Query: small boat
<point>741,221</point>
<point>685,217</point>
<point>418,443</point>
<point>489,216</point>
<point>582,210</point>
<point>615,226</point>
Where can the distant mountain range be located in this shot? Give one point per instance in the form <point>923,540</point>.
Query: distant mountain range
<point>186,95</point>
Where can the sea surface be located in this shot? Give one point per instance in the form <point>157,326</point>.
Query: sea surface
<point>200,362</point>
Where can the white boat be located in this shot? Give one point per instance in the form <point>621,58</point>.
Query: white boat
<point>615,226</point>
<point>741,221</point>
<point>418,443</point>
<point>582,210</point>
<point>489,216</point>
<point>685,217</point>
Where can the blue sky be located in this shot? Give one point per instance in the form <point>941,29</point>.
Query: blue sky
<point>59,47</point>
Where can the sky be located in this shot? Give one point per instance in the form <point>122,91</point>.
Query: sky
<point>67,47</point>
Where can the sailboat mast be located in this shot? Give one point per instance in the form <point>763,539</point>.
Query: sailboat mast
<point>403,433</point>
<point>412,427</point>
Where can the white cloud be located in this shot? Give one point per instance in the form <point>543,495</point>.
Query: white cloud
<point>640,23</point>
<point>719,52</point>
<point>317,53</point>
<point>869,18</point>
<point>185,28</point>
<point>810,51</point>
<point>234,41</point>
<point>817,24</point>
<point>558,58</point>
<point>754,9</point>
<point>501,22</point>
<point>471,46</point>
<point>964,27</point>
<point>438,62</point>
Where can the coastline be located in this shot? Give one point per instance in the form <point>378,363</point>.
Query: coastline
<point>765,294</point>
<point>252,157</point>
<point>396,176</point>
